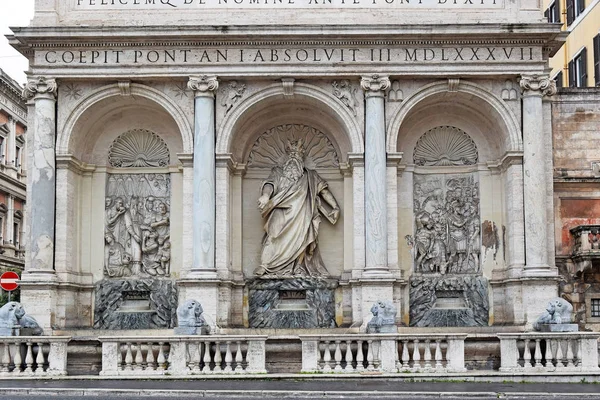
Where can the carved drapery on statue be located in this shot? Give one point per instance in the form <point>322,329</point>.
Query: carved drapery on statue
<point>137,225</point>
<point>293,199</point>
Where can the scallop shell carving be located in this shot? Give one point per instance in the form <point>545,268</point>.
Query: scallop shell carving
<point>445,146</point>
<point>269,149</point>
<point>138,148</point>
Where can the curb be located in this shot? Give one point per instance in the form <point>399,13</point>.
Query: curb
<point>279,394</point>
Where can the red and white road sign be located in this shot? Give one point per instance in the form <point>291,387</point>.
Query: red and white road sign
<point>8,281</point>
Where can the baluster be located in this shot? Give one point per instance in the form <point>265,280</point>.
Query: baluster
<point>578,361</point>
<point>416,355</point>
<point>218,358</point>
<point>405,355</point>
<point>29,359</point>
<point>193,355</point>
<point>348,357</point>
<point>228,357</point>
<point>327,358</point>
<point>128,357</point>
<point>239,357</point>
<point>207,357</point>
<point>397,364</point>
<point>18,360</point>
<point>570,363</point>
<point>427,356</point>
<point>559,355</point>
<point>139,357</point>
<point>548,355</point>
<point>537,355</point>
<point>161,360</point>
<point>39,359</point>
<point>360,366</point>
<point>438,355</point>
<point>527,355</point>
<point>5,358</point>
<point>370,366</point>
<point>338,356</point>
<point>150,364</point>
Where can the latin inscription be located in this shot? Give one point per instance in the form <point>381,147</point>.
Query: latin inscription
<point>278,56</point>
<point>274,4</point>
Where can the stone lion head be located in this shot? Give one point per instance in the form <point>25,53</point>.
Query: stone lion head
<point>10,314</point>
<point>190,314</point>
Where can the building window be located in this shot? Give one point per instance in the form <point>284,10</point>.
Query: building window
<point>16,234</point>
<point>597,60</point>
<point>578,70</point>
<point>595,308</point>
<point>18,157</point>
<point>574,9</point>
<point>553,12</point>
<point>558,78</point>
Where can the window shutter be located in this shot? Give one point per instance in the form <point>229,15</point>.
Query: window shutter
<point>557,11</point>
<point>559,80</point>
<point>583,58</point>
<point>580,6</point>
<point>597,59</point>
<point>572,74</point>
<point>547,15</point>
<point>570,11</point>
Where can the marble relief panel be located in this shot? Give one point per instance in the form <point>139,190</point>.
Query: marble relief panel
<point>447,224</point>
<point>137,225</point>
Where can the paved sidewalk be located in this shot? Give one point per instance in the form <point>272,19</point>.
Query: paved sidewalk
<point>297,389</point>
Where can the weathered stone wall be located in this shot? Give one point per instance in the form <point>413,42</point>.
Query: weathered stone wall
<point>576,136</point>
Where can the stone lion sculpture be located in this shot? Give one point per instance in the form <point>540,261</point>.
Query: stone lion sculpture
<point>558,311</point>
<point>384,318</point>
<point>190,320</point>
<point>12,317</point>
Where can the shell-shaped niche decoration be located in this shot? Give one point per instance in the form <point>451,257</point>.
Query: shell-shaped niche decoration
<point>269,149</point>
<point>445,146</point>
<point>138,148</point>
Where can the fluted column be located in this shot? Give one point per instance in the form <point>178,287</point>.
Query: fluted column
<point>535,162</point>
<point>375,176</point>
<point>203,213</point>
<point>41,177</point>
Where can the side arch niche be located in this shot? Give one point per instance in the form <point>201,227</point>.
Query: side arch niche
<point>119,219</point>
<point>454,147</point>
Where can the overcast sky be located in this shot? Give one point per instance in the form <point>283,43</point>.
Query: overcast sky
<point>13,13</point>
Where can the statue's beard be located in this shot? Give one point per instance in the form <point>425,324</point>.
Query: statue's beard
<point>293,169</point>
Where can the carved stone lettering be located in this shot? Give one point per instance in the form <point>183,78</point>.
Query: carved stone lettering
<point>137,226</point>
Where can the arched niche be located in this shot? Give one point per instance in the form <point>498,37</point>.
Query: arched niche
<point>267,111</point>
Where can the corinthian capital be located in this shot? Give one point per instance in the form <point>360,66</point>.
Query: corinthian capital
<point>40,87</point>
<point>374,84</point>
<point>537,85</point>
<point>205,85</point>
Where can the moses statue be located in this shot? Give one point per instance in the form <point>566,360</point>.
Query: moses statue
<point>292,202</point>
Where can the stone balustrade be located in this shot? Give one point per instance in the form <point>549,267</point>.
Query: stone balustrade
<point>389,353</point>
<point>34,356</point>
<point>183,355</point>
<point>549,352</point>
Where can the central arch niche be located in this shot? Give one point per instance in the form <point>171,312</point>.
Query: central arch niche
<point>257,144</point>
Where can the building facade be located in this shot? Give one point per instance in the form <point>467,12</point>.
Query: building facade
<point>13,174</point>
<point>577,63</point>
<point>421,152</point>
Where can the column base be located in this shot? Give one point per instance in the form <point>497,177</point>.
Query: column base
<point>365,293</point>
<point>39,298</point>
<point>539,271</point>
